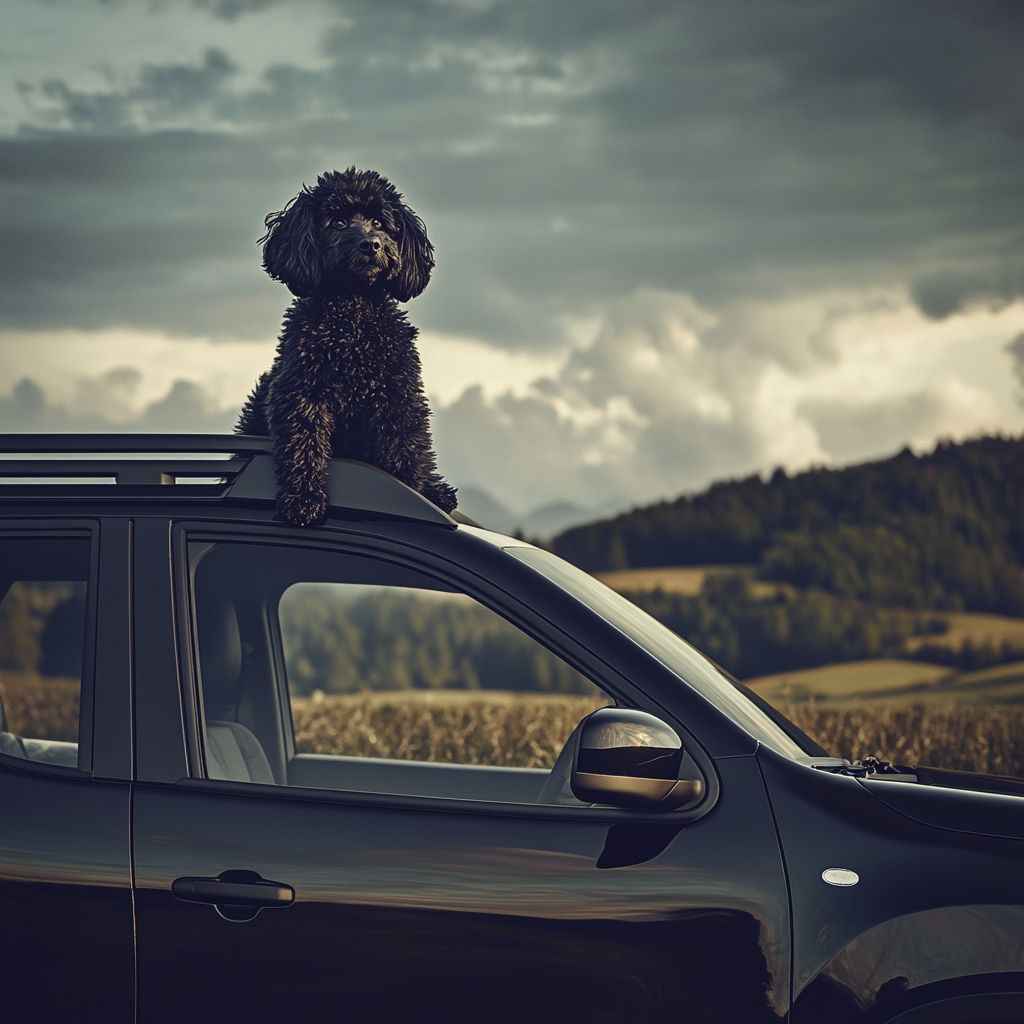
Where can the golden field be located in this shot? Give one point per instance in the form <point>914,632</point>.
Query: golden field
<point>681,579</point>
<point>895,683</point>
<point>970,739</point>
<point>529,730</point>
<point>453,726</point>
<point>43,708</point>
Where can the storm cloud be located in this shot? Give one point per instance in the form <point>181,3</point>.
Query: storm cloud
<point>671,395</point>
<point>560,154</point>
<point>103,405</point>
<point>713,187</point>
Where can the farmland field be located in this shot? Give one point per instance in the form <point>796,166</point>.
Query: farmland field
<point>976,628</point>
<point>994,638</point>
<point>679,579</point>
<point>972,739</point>
<point>893,682</point>
<point>44,708</point>
<point>529,730</point>
<point>526,730</point>
<point>455,726</point>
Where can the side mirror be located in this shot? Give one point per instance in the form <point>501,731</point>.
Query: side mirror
<point>630,759</point>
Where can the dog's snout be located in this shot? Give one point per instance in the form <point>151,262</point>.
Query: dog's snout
<point>370,245</point>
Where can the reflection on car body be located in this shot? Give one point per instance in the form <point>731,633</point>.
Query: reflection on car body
<point>678,852</point>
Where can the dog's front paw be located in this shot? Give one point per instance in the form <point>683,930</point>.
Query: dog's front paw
<point>302,509</point>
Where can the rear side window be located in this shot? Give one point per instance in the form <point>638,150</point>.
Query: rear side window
<point>43,597</point>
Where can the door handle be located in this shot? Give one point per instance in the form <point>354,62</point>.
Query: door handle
<point>237,895</point>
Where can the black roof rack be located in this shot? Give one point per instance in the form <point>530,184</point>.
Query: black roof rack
<point>234,467</point>
<point>159,443</point>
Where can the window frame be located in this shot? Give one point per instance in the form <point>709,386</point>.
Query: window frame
<point>82,529</point>
<point>273,627</point>
<point>444,570</point>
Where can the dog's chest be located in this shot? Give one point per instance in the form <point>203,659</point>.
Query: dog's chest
<point>358,342</point>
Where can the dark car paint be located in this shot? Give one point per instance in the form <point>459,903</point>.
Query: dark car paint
<point>66,922</point>
<point>66,916</point>
<point>480,914</point>
<point>433,915</point>
<point>932,904</point>
<point>987,814</point>
<point>402,849</point>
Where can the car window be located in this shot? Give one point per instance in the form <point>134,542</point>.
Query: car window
<point>669,648</point>
<point>43,591</point>
<point>339,671</point>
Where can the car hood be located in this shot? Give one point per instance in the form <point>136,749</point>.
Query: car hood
<point>962,801</point>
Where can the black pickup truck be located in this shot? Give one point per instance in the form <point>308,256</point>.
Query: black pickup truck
<point>171,850</point>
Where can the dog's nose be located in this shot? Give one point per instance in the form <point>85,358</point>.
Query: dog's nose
<point>370,245</point>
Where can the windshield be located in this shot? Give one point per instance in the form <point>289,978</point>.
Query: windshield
<point>670,649</point>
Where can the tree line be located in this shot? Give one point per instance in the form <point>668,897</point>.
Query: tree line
<point>390,640</point>
<point>753,635</point>
<point>792,629</point>
<point>943,530</point>
<point>395,640</point>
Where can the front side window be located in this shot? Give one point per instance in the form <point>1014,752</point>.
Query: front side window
<point>340,671</point>
<point>43,590</point>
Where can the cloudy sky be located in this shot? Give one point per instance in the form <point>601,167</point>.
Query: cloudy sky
<point>676,241</point>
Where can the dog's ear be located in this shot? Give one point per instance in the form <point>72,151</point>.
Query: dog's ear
<point>417,256</point>
<point>291,249</point>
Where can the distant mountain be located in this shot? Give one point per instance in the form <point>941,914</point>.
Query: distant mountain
<point>942,530</point>
<point>542,523</point>
<point>547,520</point>
<point>487,511</point>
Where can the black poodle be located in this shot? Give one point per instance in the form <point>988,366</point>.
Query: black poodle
<point>346,380</point>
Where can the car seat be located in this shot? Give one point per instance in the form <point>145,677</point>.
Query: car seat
<point>233,753</point>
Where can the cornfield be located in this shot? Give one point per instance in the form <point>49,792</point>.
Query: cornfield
<point>528,731</point>
<point>43,708</point>
<point>504,729</point>
<point>963,737</point>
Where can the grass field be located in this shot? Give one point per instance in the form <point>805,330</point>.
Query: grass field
<point>895,683</point>
<point>678,579</point>
<point>977,628</point>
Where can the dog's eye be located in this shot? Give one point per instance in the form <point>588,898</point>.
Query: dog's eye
<point>376,223</point>
<point>337,222</point>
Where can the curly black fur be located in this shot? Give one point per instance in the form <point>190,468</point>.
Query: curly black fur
<point>346,380</point>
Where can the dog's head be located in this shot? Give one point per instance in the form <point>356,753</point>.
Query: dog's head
<point>350,233</point>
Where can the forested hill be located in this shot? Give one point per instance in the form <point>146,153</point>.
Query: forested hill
<point>943,530</point>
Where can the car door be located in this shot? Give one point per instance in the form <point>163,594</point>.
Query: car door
<point>443,880</point>
<point>66,923</point>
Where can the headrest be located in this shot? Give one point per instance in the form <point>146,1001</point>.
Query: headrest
<point>220,655</point>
